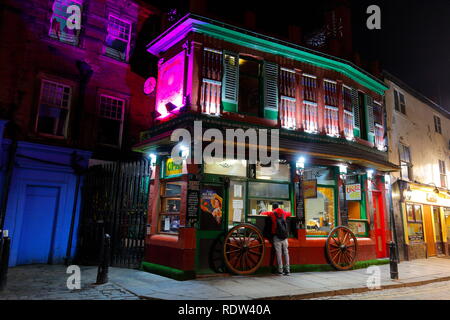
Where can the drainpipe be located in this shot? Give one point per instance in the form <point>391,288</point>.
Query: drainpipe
<point>393,246</point>
<point>78,170</point>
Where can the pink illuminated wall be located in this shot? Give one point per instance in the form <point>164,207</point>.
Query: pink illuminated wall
<point>170,85</point>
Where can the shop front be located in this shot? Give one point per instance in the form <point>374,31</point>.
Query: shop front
<point>425,214</point>
<point>192,207</point>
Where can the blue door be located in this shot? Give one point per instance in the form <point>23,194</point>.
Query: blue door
<point>38,225</point>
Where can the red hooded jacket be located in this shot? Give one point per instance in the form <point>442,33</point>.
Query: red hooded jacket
<point>272,215</point>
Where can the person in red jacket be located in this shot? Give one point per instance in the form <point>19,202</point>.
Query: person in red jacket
<point>280,237</point>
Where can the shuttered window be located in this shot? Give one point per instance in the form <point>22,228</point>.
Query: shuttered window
<point>399,102</point>
<point>330,88</point>
<point>356,112</point>
<point>437,124</point>
<point>230,81</point>
<point>405,162</point>
<point>270,91</point>
<point>443,174</point>
<point>370,118</point>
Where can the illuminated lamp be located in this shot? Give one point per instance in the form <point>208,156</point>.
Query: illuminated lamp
<point>300,165</point>
<point>342,169</point>
<point>156,114</point>
<point>184,152</point>
<point>370,174</point>
<point>387,178</point>
<point>152,158</point>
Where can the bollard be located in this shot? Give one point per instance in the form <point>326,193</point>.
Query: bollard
<point>6,245</point>
<point>393,261</point>
<point>102,272</point>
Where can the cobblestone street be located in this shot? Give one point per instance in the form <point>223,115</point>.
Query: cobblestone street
<point>49,282</point>
<point>419,279</point>
<point>432,291</point>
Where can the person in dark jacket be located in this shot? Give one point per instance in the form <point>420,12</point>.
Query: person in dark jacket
<point>280,237</point>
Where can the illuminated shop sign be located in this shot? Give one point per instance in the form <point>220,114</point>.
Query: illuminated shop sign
<point>353,192</point>
<point>169,95</point>
<point>172,168</point>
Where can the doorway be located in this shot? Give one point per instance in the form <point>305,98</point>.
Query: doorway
<point>438,230</point>
<point>429,232</point>
<point>38,230</point>
<point>379,224</point>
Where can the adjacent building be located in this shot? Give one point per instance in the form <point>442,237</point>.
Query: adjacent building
<point>419,142</point>
<point>70,94</point>
<point>330,116</point>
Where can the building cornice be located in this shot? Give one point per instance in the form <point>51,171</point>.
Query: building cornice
<point>249,39</point>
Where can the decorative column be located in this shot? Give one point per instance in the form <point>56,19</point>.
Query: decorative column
<point>193,78</point>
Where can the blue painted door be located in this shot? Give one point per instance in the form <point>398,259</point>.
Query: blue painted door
<point>38,225</point>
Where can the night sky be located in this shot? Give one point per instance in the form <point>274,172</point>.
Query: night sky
<point>413,44</point>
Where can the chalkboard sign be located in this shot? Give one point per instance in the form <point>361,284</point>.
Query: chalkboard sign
<point>193,199</point>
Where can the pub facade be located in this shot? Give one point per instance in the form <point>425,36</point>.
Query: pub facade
<point>332,152</point>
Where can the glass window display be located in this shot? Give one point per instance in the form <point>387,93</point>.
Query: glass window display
<point>320,212</point>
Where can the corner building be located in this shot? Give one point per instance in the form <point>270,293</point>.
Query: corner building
<point>330,117</point>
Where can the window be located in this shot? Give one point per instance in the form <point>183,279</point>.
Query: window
<point>320,212</point>
<point>330,88</point>
<point>348,112</point>
<point>362,125</point>
<point>249,86</point>
<point>118,38</point>
<point>54,106</point>
<point>111,115</point>
<point>59,27</point>
<point>437,125</point>
<point>309,88</point>
<point>211,84</point>
<point>405,162</point>
<point>443,174</point>
<point>399,100</point>
<point>169,217</point>
<point>263,195</point>
<point>415,226</point>
<point>287,86</point>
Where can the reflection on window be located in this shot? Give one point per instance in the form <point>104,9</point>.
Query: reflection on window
<point>320,212</point>
<point>249,86</point>
<point>268,190</point>
<point>111,115</point>
<point>54,105</point>
<point>118,38</point>
<point>415,225</point>
<point>59,27</point>
<point>324,175</point>
<point>169,218</point>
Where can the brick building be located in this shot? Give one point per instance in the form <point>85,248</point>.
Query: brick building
<point>71,94</point>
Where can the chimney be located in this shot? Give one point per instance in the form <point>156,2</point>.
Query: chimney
<point>295,34</point>
<point>250,20</point>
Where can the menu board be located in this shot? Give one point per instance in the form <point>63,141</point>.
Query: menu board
<point>193,199</point>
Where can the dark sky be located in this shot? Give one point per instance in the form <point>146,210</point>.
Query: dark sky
<point>413,43</point>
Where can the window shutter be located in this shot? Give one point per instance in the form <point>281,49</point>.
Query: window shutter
<point>370,119</point>
<point>230,81</point>
<point>356,113</point>
<point>270,91</point>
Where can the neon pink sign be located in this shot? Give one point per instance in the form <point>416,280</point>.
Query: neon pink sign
<point>169,95</point>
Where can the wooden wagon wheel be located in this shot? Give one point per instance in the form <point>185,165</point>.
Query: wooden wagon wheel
<point>341,248</point>
<point>243,249</point>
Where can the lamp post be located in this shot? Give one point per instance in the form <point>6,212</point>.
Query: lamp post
<point>344,212</point>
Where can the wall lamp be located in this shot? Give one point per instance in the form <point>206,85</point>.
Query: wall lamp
<point>300,166</point>
<point>370,173</point>
<point>152,157</point>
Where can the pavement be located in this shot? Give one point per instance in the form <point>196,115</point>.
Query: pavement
<point>49,282</point>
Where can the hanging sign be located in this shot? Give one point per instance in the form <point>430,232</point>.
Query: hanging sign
<point>172,168</point>
<point>353,192</point>
<point>309,189</point>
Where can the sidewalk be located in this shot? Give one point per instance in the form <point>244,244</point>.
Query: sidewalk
<point>49,282</point>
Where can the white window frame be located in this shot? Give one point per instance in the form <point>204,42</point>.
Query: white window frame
<point>400,93</point>
<point>435,117</point>
<point>69,104</point>
<point>99,115</point>
<point>127,54</point>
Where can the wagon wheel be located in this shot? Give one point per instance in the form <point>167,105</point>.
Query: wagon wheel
<point>243,249</point>
<point>341,248</point>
